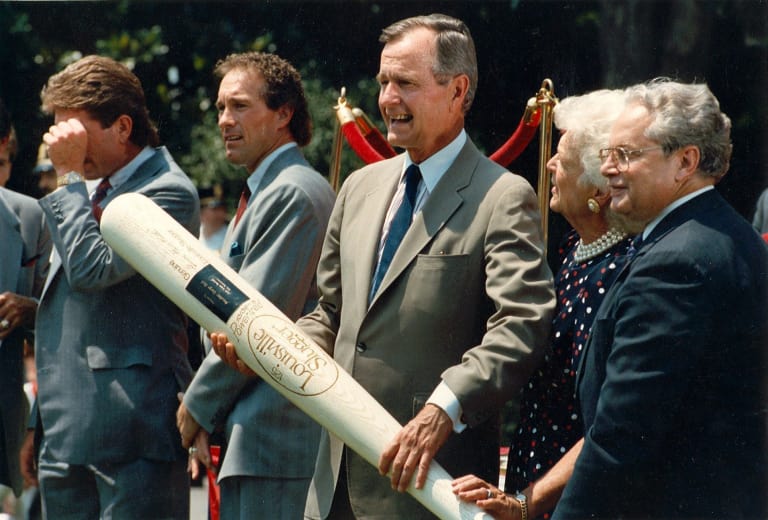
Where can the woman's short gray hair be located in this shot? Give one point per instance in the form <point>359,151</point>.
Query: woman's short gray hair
<point>588,119</point>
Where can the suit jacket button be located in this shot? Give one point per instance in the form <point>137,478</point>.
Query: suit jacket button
<point>361,347</point>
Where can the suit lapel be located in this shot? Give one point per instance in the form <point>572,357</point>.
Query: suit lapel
<point>697,206</point>
<point>606,307</point>
<point>442,203</point>
<point>375,205</point>
<point>290,157</point>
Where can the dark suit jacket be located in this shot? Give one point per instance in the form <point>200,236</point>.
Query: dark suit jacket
<point>111,349</point>
<point>468,299</point>
<point>275,247</point>
<point>672,381</point>
<point>24,254</point>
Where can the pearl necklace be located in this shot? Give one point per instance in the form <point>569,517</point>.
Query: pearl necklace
<point>609,239</point>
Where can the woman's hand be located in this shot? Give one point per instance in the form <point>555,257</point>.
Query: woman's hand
<point>488,497</point>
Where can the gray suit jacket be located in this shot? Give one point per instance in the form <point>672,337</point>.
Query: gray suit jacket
<point>275,247</point>
<point>24,255</point>
<point>467,299</point>
<point>111,349</point>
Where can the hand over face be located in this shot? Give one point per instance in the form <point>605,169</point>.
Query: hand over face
<point>67,144</point>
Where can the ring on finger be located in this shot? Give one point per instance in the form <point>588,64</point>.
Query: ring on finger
<point>490,494</point>
<point>4,324</point>
<point>192,450</point>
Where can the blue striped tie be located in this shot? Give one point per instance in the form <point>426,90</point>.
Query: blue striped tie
<point>397,228</point>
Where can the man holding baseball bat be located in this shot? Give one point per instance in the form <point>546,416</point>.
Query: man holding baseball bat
<point>434,292</point>
<point>274,243</point>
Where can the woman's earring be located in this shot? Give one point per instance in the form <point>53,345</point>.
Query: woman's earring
<point>593,205</point>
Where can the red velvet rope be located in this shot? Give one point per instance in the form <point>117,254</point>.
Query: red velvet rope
<point>214,493</point>
<point>359,144</point>
<point>380,143</point>
<point>373,147</point>
<point>372,134</point>
<point>515,145</point>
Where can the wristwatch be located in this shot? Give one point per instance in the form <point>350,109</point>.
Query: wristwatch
<point>68,178</point>
<point>520,497</point>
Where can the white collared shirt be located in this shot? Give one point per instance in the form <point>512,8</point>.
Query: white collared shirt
<point>670,208</point>
<point>258,174</point>
<point>432,170</point>
<point>123,174</point>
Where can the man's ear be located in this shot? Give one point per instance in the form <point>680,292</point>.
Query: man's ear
<point>123,125</point>
<point>459,86</point>
<point>284,114</point>
<point>689,157</point>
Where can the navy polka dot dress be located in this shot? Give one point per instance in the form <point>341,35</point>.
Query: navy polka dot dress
<point>550,423</point>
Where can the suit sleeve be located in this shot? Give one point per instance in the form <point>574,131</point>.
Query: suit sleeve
<point>322,324</point>
<point>654,338</point>
<point>520,288</point>
<point>43,256</point>
<point>88,261</point>
<point>285,234</point>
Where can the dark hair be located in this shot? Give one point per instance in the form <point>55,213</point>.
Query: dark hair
<point>282,86</point>
<point>454,47</point>
<point>105,89</point>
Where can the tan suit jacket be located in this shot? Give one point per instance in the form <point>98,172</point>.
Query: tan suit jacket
<point>467,299</point>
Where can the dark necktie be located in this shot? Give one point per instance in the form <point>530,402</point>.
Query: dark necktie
<point>397,228</point>
<point>244,196</point>
<point>635,245</point>
<point>98,195</point>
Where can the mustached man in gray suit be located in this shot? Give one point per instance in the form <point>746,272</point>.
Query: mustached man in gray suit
<point>274,242</point>
<point>111,350</point>
<point>24,254</point>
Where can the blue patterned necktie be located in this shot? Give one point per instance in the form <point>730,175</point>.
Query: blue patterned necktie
<point>397,228</point>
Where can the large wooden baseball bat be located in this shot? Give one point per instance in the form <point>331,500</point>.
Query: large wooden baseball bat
<point>217,298</point>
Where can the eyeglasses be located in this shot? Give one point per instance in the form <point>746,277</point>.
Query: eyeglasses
<point>622,156</point>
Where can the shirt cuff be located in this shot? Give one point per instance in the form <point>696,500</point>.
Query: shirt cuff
<point>444,398</point>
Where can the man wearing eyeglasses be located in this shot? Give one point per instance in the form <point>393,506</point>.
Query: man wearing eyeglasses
<point>671,385</point>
